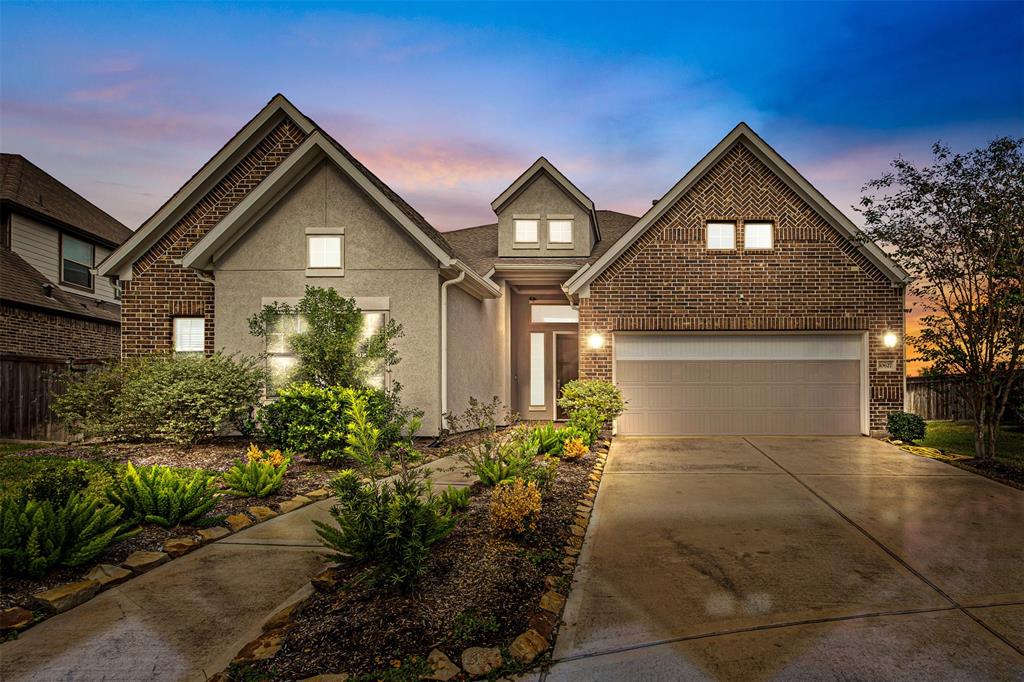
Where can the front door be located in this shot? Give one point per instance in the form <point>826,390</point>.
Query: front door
<point>567,365</point>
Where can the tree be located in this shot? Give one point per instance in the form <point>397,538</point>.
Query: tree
<point>331,348</point>
<point>957,226</point>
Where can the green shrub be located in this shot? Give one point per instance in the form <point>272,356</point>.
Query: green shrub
<point>588,422</point>
<point>570,432</point>
<point>906,426</point>
<point>35,535</point>
<point>163,496</point>
<point>314,420</point>
<point>499,459</point>
<point>541,471</point>
<point>548,439</point>
<point>602,396</point>
<point>261,474</point>
<point>515,507</point>
<point>183,400</point>
<point>454,499</point>
<point>386,528</point>
<point>57,482</point>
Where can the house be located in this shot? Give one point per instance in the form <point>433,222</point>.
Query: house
<point>741,302</point>
<point>53,309</point>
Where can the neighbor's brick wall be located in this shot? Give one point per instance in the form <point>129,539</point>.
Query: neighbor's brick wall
<point>814,278</point>
<point>50,335</point>
<point>160,289</point>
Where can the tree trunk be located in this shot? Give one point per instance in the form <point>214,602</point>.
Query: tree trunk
<point>993,434</point>
<point>980,450</point>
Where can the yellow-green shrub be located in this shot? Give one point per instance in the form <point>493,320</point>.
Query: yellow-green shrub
<point>515,507</point>
<point>574,449</point>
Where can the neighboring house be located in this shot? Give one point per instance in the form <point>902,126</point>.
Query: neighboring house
<point>741,302</point>
<point>53,309</point>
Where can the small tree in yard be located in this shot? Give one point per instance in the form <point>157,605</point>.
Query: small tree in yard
<point>957,226</point>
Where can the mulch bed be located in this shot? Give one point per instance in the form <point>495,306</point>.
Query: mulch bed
<point>997,470</point>
<point>477,590</point>
<point>303,475</point>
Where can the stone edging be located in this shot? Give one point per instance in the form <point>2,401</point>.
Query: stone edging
<point>102,576</point>
<point>477,662</point>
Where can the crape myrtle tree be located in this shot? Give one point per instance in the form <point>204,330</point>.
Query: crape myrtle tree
<point>957,226</point>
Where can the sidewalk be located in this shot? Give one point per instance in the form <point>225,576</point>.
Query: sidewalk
<point>187,619</point>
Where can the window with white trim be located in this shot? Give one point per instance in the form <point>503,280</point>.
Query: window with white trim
<point>560,231</point>
<point>189,335</point>
<point>721,235</point>
<point>281,360</point>
<point>758,235</point>
<point>77,257</point>
<point>525,231</point>
<point>324,251</point>
<point>537,374</point>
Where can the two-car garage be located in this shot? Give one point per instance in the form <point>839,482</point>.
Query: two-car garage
<point>741,384</point>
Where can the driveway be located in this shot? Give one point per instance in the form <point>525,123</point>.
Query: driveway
<point>784,557</point>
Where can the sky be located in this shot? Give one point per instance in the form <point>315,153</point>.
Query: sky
<point>449,103</point>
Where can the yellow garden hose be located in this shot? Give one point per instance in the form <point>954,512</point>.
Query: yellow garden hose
<point>922,451</point>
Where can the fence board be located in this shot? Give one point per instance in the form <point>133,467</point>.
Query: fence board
<point>28,387</point>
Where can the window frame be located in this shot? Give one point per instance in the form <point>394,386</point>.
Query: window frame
<point>287,353</point>
<point>542,380</point>
<point>174,336</point>
<point>89,267</point>
<point>771,235</point>
<point>719,223</point>
<point>538,306</point>
<point>326,232</point>
<point>572,232</point>
<point>535,243</point>
<point>386,379</point>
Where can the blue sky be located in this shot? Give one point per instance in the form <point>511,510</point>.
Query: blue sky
<point>449,102</point>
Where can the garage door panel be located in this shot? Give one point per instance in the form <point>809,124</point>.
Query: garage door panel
<point>667,395</point>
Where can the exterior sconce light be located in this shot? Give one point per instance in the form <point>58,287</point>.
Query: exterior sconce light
<point>889,339</point>
<point>595,340</point>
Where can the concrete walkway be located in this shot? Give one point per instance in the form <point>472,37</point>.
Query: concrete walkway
<point>793,558</point>
<point>187,619</point>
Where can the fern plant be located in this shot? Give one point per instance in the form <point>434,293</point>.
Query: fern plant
<point>163,496</point>
<point>260,475</point>
<point>34,536</point>
<point>453,499</point>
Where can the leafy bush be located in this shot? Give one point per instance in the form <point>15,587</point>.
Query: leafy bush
<point>35,535</point>
<point>586,421</point>
<point>541,471</point>
<point>454,499</point>
<point>260,475</point>
<point>602,396</point>
<point>547,439</point>
<point>314,420</point>
<point>906,426</point>
<point>163,496</point>
<point>57,482</point>
<point>387,528</point>
<point>574,449</point>
<point>183,400</point>
<point>478,416</point>
<point>515,507</point>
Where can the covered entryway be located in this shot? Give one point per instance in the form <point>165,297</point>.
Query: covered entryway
<point>755,384</point>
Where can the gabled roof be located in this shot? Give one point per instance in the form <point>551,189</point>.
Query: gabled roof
<point>542,165</point>
<point>742,134</point>
<point>28,187</point>
<point>23,285</point>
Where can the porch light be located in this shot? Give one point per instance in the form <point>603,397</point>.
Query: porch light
<point>595,340</point>
<point>889,339</point>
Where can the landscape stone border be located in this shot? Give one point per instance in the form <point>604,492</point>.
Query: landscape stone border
<point>103,576</point>
<point>476,662</point>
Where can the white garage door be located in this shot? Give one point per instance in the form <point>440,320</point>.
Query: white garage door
<point>739,385</point>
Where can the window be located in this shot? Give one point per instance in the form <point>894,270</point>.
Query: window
<point>554,314</point>
<point>189,335</point>
<point>721,235</point>
<point>373,321</point>
<point>76,260</point>
<point>324,251</point>
<point>560,231</point>
<point>525,231</point>
<point>280,358</point>
<point>757,235</point>
<point>537,378</point>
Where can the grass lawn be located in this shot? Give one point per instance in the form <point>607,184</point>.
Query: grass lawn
<point>17,469</point>
<point>958,438</point>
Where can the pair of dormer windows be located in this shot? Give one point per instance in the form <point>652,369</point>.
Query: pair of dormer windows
<point>527,230</point>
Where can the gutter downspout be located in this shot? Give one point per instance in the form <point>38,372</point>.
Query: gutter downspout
<point>444,344</point>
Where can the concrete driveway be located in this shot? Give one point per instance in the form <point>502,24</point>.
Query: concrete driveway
<point>784,557</point>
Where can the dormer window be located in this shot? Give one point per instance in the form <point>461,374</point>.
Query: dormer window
<point>560,231</point>
<point>526,230</point>
<point>325,252</point>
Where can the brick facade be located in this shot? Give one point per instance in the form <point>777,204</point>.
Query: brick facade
<point>813,278</point>
<point>52,335</point>
<point>160,289</point>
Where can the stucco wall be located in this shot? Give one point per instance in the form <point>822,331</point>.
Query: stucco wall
<point>543,197</point>
<point>380,260</point>
<point>476,333</point>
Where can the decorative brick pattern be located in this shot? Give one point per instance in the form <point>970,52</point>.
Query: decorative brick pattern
<point>50,335</point>
<point>813,279</point>
<point>161,289</point>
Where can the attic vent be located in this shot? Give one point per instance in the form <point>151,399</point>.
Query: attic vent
<point>48,290</point>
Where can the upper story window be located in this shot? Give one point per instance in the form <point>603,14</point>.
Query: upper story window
<point>525,230</point>
<point>77,258</point>
<point>721,235</point>
<point>560,231</point>
<point>758,235</point>
<point>189,335</point>
<point>325,251</point>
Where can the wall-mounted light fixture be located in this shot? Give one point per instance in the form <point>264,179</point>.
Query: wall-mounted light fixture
<point>890,339</point>
<point>595,340</point>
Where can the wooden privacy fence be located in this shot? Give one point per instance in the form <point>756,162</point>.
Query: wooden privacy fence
<point>28,386</point>
<point>942,397</point>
